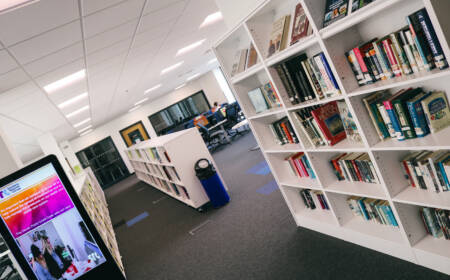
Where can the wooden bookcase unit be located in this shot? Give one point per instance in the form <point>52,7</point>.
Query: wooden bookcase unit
<point>409,241</point>
<point>183,149</point>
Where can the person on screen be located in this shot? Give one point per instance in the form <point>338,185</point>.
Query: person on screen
<point>40,265</point>
<point>54,263</point>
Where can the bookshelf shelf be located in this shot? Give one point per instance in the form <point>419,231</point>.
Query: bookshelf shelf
<point>177,177</point>
<point>409,240</point>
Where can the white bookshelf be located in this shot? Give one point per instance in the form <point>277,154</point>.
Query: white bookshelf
<point>409,240</point>
<point>183,148</point>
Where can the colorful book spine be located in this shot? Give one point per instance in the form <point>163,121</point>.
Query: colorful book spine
<point>422,46</point>
<point>418,118</point>
<point>394,119</point>
<point>391,56</point>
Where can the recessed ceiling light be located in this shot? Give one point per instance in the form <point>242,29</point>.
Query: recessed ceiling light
<point>141,101</point>
<point>9,5</point>
<point>214,60</point>
<point>84,129</point>
<point>170,68</point>
<point>79,111</point>
<point>152,88</point>
<point>180,86</point>
<point>134,108</point>
<point>73,100</point>
<point>212,18</point>
<point>193,77</point>
<point>190,47</point>
<point>86,132</point>
<point>65,81</point>
<point>82,122</point>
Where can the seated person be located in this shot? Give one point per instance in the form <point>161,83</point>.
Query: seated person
<point>215,108</point>
<point>40,266</point>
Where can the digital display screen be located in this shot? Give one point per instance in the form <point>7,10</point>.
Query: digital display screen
<point>47,227</point>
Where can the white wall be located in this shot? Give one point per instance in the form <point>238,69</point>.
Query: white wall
<point>207,83</point>
<point>232,15</point>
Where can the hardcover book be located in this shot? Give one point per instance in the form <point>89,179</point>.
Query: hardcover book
<point>329,122</point>
<point>300,26</point>
<point>436,111</point>
<point>257,98</point>
<point>278,37</point>
<point>334,11</point>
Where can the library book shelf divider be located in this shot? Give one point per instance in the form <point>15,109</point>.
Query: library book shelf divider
<point>346,178</point>
<point>167,163</point>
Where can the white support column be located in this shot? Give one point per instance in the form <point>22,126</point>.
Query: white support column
<point>49,146</point>
<point>9,160</point>
<point>68,152</point>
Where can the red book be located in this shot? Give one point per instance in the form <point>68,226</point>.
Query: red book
<point>337,166</point>
<point>406,169</point>
<point>358,173</point>
<point>300,25</point>
<point>395,65</point>
<point>319,198</point>
<point>300,163</point>
<point>330,122</point>
<point>286,131</point>
<point>294,166</point>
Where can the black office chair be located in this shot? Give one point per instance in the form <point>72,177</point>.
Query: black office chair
<point>213,140</point>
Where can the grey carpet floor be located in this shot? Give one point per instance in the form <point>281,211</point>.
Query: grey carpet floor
<point>253,237</point>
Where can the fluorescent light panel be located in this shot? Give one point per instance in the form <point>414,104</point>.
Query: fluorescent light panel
<point>82,122</point>
<point>180,86</point>
<point>65,81</point>
<point>77,112</point>
<point>134,108</point>
<point>84,129</point>
<point>141,101</point>
<point>73,100</point>
<point>170,68</point>
<point>212,61</point>
<point>190,47</point>
<point>153,88</point>
<point>212,18</point>
<point>193,77</point>
<point>86,132</point>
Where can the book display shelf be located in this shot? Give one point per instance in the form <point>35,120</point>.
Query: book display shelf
<point>93,199</point>
<point>167,163</point>
<point>395,225</point>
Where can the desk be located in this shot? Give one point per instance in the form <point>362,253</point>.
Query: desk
<point>240,124</point>
<point>220,124</point>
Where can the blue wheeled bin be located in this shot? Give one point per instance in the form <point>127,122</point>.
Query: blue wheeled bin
<point>211,182</point>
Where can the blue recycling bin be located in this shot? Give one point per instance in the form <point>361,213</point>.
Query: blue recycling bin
<point>211,182</point>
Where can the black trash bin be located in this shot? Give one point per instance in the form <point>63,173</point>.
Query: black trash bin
<point>211,182</point>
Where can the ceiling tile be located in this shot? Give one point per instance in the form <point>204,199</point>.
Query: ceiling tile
<point>156,33</point>
<point>92,6</point>
<point>18,97</point>
<point>47,43</point>
<point>163,15</point>
<point>112,63</point>
<point>111,37</point>
<point>158,5</point>
<point>36,18</point>
<point>109,52</point>
<point>55,60</point>
<point>12,79</point>
<point>60,73</point>
<point>112,17</point>
<point>7,63</point>
<point>18,132</point>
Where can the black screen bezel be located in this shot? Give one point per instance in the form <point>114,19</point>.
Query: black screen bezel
<point>106,270</point>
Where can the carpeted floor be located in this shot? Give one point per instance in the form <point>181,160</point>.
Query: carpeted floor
<point>253,237</point>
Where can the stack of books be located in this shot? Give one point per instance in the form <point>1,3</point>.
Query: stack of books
<point>436,222</point>
<point>306,79</point>
<point>328,124</point>
<point>354,167</point>
<point>338,9</point>
<point>283,132</point>
<point>264,98</point>
<point>409,113</point>
<point>374,210</point>
<point>244,59</point>
<point>314,199</point>
<point>428,170</point>
<point>280,31</point>
<point>300,165</point>
<point>411,49</point>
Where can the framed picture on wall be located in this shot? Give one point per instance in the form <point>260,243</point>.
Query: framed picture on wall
<point>134,134</point>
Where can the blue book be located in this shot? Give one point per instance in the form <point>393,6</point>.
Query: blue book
<point>417,116</point>
<point>308,167</point>
<point>432,39</point>
<point>421,44</point>
<point>328,70</point>
<point>363,208</point>
<point>444,175</point>
<point>390,214</point>
<point>394,119</point>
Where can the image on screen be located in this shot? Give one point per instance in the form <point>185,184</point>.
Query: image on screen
<point>47,227</point>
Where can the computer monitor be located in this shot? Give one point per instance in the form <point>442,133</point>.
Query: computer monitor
<point>47,228</point>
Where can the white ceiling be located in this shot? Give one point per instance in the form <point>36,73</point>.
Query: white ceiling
<point>123,45</point>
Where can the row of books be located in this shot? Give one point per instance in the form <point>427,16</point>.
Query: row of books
<point>244,59</point>
<point>171,173</point>
<point>280,30</point>
<point>264,98</point>
<point>306,79</point>
<point>374,210</point>
<point>338,9</point>
<point>163,185</point>
<point>283,132</point>
<point>436,222</point>
<point>300,165</point>
<point>428,170</point>
<point>314,199</point>
<point>407,114</point>
<point>412,49</point>
<point>354,167</point>
<point>327,124</point>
